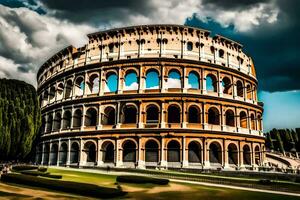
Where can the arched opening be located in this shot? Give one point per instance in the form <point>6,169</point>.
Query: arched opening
<point>131,81</point>
<point>90,150</point>
<point>93,84</point>
<point>173,114</point>
<point>77,118</point>
<point>43,126</point>
<point>52,94</point>
<point>246,155</point>
<point>79,86</point>
<point>49,123</point>
<point>151,151</point>
<point>193,80</point>
<point>57,122</point>
<point>74,154</point>
<point>215,153</point>
<point>194,152</point>
<point>227,86</point>
<point>60,89</point>
<point>232,154</point>
<point>173,151</point>
<point>68,89</point>
<point>45,97</point>
<point>152,79</point>
<point>152,114</point>
<point>53,154</point>
<point>211,83</point>
<point>46,154</point>
<point>249,92</point>
<point>111,82</point>
<point>174,79</point>
<point>193,114</point>
<point>129,114</point>
<point>189,46</point>
<point>67,120</point>
<point>39,154</point>
<point>252,121</point>
<point>91,117</point>
<point>259,124</point>
<point>109,116</point>
<point>213,116</point>
<point>229,118</point>
<point>243,119</point>
<point>257,155</point>
<point>129,151</point>
<point>63,154</point>
<point>221,53</point>
<point>240,89</point>
<point>108,152</point>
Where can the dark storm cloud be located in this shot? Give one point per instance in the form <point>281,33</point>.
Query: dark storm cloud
<point>233,3</point>
<point>274,49</point>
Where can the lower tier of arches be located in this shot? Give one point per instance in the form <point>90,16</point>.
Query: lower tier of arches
<point>163,151</point>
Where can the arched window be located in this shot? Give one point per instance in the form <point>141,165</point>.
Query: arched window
<point>57,122</point>
<point>227,86</point>
<point>91,117</point>
<point>77,118</point>
<point>60,89</point>
<point>229,118</point>
<point>109,116</point>
<point>43,126</point>
<point>259,121</point>
<point>53,154</point>
<point>108,152</point>
<point>221,53</point>
<point>79,86</point>
<point>252,122</point>
<point>193,80</point>
<point>67,120</point>
<point>246,155</point>
<point>129,151</point>
<point>151,151</point>
<point>46,154</point>
<point>94,84</point>
<point>131,82</point>
<point>243,119</point>
<point>189,46</point>
<point>46,95</point>
<point>249,92</point>
<point>174,79</point>
<point>52,93</point>
<point>74,154</point>
<point>194,114</point>
<point>173,151</point>
<point>213,116</point>
<point>49,123</point>
<point>129,114</point>
<point>257,155</point>
<point>111,82</point>
<point>240,89</point>
<point>232,154</point>
<point>68,89</point>
<point>152,79</point>
<point>152,114</point>
<point>211,83</point>
<point>63,154</point>
<point>194,152</point>
<point>173,114</point>
<point>90,151</point>
<point>215,153</point>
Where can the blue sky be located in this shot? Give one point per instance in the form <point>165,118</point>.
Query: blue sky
<point>33,30</point>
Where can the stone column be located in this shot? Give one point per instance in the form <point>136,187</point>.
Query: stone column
<point>225,150</point>
<point>58,153</point>
<point>81,149</point>
<point>141,80</point>
<point>141,153</point>
<point>185,80</point>
<point>83,118</point>
<point>241,156</point>
<point>184,114</point>
<point>185,162</point>
<point>118,110</point>
<point>206,154</point>
<point>163,81</point>
<point>43,147</point>
<point>69,153</point>
<point>204,91</point>
<point>163,116</point>
<point>99,125</point>
<point>140,116</point>
<point>220,86</point>
<point>163,160</point>
<point>119,153</point>
<point>120,81</point>
<point>99,152</point>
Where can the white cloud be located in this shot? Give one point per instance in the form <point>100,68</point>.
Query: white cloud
<point>133,86</point>
<point>173,83</point>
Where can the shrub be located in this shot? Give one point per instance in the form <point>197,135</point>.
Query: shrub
<point>42,169</point>
<point>142,179</point>
<point>24,167</point>
<point>34,173</point>
<point>85,189</point>
<point>56,176</point>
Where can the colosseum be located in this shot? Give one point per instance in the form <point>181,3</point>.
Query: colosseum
<point>151,96</point>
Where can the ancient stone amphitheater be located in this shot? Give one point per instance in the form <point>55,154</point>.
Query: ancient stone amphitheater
<point>166,96</point>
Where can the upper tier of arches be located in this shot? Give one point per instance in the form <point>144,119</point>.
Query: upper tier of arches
<point>165,41</point>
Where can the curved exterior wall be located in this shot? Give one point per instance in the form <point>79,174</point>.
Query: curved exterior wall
<point>216,123</point>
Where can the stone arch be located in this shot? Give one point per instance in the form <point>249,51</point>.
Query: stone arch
<point>60,89</point>
<point>174,79</point>
<point>232,154</point>
<point>57,122</point>
<point>74,153</point>
<point>213,116</point>
<point>129,114</point>
<point>221,53</point>
<point>174,114</point>
<point>111,82</point>
<point>243,119</point>
<point>53,154</point>
<point>50,123</point>
<point>253,122</point>
<point>211,83</point>
<point>129,151</point>
<point>227,85</point>
<point>194,80</point>
<point>259,122</point>
<point>257,155</point>
<point>194,114</point>
<point>151,151</point>
<point>173,147</point>
<point>77,118</point>
<point>152,114</point>
<point>249,91</point>
<point>67,117</point>
<point>90,151</point>
<point>240,88</point>
<point>52,93</point>
<point>68,89</point>
<point>79,86</point>
<point>152,79</point>
<point>229,118</point>
<point>91,117</point>
<point>63,152</point>
<point>108,151</point>
<point>109,116</point>
<point>194,152</point>
<point>246,155</point>
<point>46,154</point>
<point>131,80</point>
<point>215,153</point>
<point>93,83</point>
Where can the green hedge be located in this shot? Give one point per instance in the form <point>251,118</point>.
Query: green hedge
<point>84,189</point>
<point>24,167</point>
<point>34,173</point>
<point>42,169</point>
<point>56,176</point>
<point>142,179</point>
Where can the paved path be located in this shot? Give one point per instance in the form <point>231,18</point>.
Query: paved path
<point>99,171</point>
